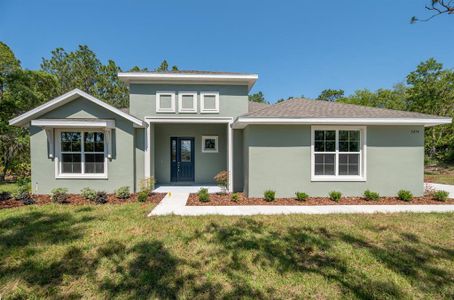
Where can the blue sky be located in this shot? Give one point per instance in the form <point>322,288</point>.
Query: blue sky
<point>297,47</point>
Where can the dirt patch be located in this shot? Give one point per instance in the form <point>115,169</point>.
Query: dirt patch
<point>221,200</point>
<point>78,200</point>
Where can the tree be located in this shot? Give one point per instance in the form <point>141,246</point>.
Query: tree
<point>437,7</point>
<point>257,97</point>
<point>331,95</point>
<point>82,69</point>
<point>383,98</point>
<point>164,67</point>
<point>431,91</point>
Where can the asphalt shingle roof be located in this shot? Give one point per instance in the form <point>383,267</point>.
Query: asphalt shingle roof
<point>255,106</point>
<point>304,108</point>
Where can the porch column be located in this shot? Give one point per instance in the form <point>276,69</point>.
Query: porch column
<point>230,154</point>
<point>147,150</point>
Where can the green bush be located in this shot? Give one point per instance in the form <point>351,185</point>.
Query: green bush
<point>88,193</point>
<point>59,195</point>
<point>269,195</point>
<point>142,196</point>
<point>405,195</point>
<point>300,196</point>
<point>441,195</point>
<point>235,197</point>
<point>203,195</point>
<point>335,196</point>
<point>371,195</point>
<point>101,198</point>
<point>123,192</point>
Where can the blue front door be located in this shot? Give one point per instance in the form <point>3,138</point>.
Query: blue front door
<point>181,159</point>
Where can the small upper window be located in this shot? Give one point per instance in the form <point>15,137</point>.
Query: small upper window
<point>187,102</point>
<point>209,102</point>
<point>209,144</point>
<point>165,102</point>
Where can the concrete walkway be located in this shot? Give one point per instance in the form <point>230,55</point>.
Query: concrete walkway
<point>444,187</point>
<point>175,203</point>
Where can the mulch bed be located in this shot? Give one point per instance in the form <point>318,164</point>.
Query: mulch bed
<point>222,200</point>
<point>75,199</point>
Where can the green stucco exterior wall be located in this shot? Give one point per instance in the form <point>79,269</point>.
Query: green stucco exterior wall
<point>233,99</point>
<point>278,157</point>
<point>121,168</point>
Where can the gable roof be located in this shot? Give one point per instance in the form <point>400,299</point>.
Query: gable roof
<point>190,76</point>
<point>304,111</point>
<point>66,98</point>
<point>255,106</point>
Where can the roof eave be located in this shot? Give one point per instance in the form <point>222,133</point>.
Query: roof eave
<point>242,122</point>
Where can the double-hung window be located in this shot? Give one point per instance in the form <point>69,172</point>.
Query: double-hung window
<point>338,154</point>
<point>81,154</point>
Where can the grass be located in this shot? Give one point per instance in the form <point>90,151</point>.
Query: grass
<point>115,251</point>
<point>439,174</point>
<point>8,187</point>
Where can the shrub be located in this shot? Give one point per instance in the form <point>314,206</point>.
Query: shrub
<point>371,195</point>
<point>5,196</point>
<point>235,197</point>
<point>405,195</point>
<point>22,192</point>
<point>222,179</point>
<point>123,192</point>
<point>88,193</point>
<point>142,196</point>
<point>101,198</point>
<point>441,195</point>
<point>203,195</point>
<point>28,201</point>
<point>269,195</point>
<point>59,195</point>
<point>335,196</point>
<point>147,184</point>
<point>300,196</point>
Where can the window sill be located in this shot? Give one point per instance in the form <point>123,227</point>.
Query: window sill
<point>84,176</point>
<point>209,112</point>
<point>338,178</point>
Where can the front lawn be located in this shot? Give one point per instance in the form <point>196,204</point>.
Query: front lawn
<point>9,187</point>
<point>106,251</point>
<point>443,174</point>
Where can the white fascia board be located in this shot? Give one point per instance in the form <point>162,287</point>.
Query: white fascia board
<point>244,121</point>
<point>72,123</point>
<point>200,120</point>
<point>143,77</point>
<point>68,97</point>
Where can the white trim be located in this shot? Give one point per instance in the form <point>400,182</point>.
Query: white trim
<point>362,155</point>
<point>73,123</point>
<point>204,110</point>
<point>65,98</point>
<point>147,160</point>
<point>172,102</point>
<point>242,122</point>
<point>205,137</point>
<point>83,175</point>
<point>230,155</point>
<point>144,77</point>
<point>180,102</point>
<point>175,119</point>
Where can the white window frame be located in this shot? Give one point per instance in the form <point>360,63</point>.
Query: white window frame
<point>215,137</point>
<point>204,110</point>
<point>172,102</point>
<point>59,174</point>
<point>362,155</point>
<point>194,102</point>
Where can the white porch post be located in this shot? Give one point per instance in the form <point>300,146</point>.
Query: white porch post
<point>147,150</point>
<point>230,154</point>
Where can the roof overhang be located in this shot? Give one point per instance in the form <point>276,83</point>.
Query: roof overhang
<point>73,123</point>
<point>24,119</point>
<point>242,122</point>
<point>181,78</point>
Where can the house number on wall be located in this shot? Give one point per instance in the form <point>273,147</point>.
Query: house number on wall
<point>413,131</point>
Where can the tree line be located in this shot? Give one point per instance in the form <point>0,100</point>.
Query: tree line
<point>428,89</point>
<point>22,90</point>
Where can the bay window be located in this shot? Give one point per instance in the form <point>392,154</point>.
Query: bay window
<point>338,153</point>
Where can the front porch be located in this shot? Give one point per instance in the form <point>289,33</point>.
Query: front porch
<point>188,152</point>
